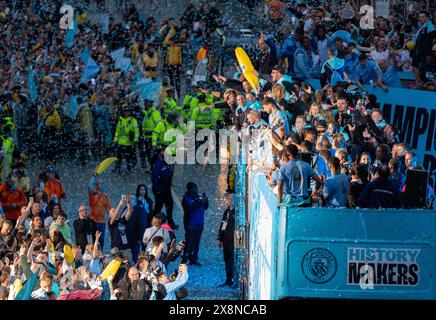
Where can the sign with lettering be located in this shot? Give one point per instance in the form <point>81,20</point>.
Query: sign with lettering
<point>382,267</point>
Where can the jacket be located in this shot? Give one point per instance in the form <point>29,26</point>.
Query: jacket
<point>151,119</point>
<point>8,198</point>
<point>84,228</point>
<point>174,55</point>
<point>161,176</point>
<point>127,132</point>
<point>53,187</point>
<point>227,227</point>
<point>194,209</point>
<point>380,193</point>
<point>302,64</point>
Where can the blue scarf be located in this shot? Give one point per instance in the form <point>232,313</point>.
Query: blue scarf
<point>430,27</point>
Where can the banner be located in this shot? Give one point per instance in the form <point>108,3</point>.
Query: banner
<point>91,69</point>
<point>84,55</point>
<point>73,107</point>
<point>71,33</point>
<point>413,112</point>
<point>382,8</point>
<point>33,92</point>
<point>118,54</point>
<point>149,89</point>
<point>102,19</point>
<point>124,64</point>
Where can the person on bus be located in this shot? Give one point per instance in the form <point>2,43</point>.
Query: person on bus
<point>293,179</point>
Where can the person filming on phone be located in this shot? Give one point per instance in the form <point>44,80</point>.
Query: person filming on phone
<point>194,207</point>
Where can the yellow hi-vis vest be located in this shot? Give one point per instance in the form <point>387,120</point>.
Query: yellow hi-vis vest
<point>127,131</point>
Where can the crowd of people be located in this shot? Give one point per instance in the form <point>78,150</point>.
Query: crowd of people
<point>329,147</point>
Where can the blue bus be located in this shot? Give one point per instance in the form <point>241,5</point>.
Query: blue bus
<point>331,253</point>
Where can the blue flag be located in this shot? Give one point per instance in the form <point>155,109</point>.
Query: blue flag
<point>124,64</point>
<point>26,291</point>
<point>71,33</point>
<point>91,69</point>
<point>74,106</point>
<point>118,54</point>
<point>31,85</point>
<point>149,89</point>
<point>84,55</point>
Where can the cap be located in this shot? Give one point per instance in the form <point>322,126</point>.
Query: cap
<point>51,170</point>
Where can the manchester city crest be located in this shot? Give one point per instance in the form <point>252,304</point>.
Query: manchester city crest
<point>319,265</point>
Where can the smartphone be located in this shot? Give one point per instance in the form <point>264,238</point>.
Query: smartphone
<point>123,197</point>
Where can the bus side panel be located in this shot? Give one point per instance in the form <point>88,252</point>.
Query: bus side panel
<point>263,227</point>
<point>365,254</point>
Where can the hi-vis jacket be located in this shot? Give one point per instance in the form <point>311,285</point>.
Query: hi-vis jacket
<point>151,118</point>
<point>127,132</point>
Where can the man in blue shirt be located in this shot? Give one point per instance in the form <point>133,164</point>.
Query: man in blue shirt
<point>194,207</point>
<point>366,72</point>
<point>293,178</point>
<point>277,119</point>
<point>161,179</point>
<point>336,186</point>
<point>389,76</point>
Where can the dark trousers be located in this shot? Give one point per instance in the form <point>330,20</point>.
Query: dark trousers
<point>229,262</point>
<point>193,235</point>
<point>129,154</point>
<point>146,152</point>
<point>174,75</point>
<point>164,198</point>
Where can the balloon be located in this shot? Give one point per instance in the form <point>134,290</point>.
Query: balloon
<point>247,68</point>
<point>17,286</point>
<point>105,164</point>
<point>68,253</point>
<point>410,45</point>
<point>111,269</point>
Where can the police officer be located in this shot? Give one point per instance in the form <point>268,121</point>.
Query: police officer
<point>226,241</point>
<point>151,118</point>
<point>126,138</point>
<point>162,179</point>
<point>170,103</point>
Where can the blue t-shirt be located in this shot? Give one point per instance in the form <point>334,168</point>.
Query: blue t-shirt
<point>278,120</point>
<point>390,78</point>
<point>367,73</point>
<point>294,175</point>
<point>336,189</point>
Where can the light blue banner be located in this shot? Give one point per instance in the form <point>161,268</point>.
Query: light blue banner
<point>118,54</point>
<point>71,33</point>
<point>91,69</point>
<point>33,92</point>
<point>149,89</point>
<point>84,55</point>
<point>124,64</point>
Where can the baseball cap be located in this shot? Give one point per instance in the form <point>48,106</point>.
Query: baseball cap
<point>51,170</point>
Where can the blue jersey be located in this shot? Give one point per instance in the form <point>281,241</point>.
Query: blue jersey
<point>295,174</point>
<point>369,71</point>
<point>336,189</point>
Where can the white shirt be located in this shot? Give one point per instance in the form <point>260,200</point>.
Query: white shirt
<point>378,56</point>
